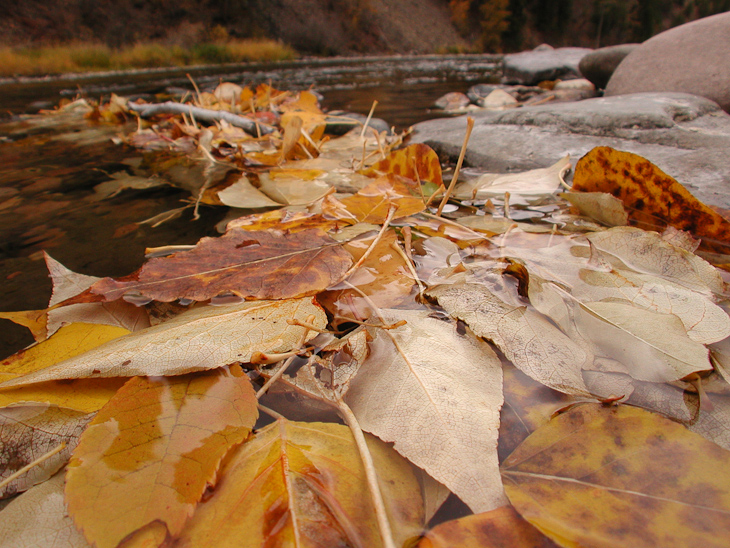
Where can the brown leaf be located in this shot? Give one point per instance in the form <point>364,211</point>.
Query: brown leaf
<point>149,454</point>
<point>652,198</point>
<point>250,264</point>
<point>416,162</point>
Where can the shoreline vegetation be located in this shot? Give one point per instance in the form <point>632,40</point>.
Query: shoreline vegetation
<point>93,57</point>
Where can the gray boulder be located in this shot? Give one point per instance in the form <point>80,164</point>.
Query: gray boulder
<point>685,135</point>
<point>532,67</point>
<point>691,58</point>
<point>599,65</point>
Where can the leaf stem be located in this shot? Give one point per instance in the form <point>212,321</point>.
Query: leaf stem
<point>452,184</point>
<point>36,462</point>
<point>379,237</point>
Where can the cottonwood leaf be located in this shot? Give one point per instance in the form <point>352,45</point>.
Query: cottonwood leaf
<point>291,187</point>
<point>620,476</point>
<point>202,338</point>
<point>652,198</point>
<point>653,347</point>
<point>713,423</point>
<point>418,162</point>
<point>436,395</point>
<point>149,454</point>
<point>500,528</point>
<point>243,194</point>
<point>38,519</point>
<point>600,206</point>
<point>647,253</point>
<point>67,283</point>
<point>286,220</point>
<point>530,341</point>
<point>303,485</point>
<point>29,431</point>
<point>250,264</point>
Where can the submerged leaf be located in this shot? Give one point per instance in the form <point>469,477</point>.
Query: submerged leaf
<point>436,394</point>
<point>149,454</point>
<point>202,338</point>
<point>303,485</point>
<point>619,476</point>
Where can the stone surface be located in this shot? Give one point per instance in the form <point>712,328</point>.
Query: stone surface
<point>685,135</point>
<point>532,67</point>
<point>599,65</point>
<point>521,93</point>
<point>452,101</point>
<point>691,58</point>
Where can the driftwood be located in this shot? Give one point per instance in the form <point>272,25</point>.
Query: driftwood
<point>200,114</point>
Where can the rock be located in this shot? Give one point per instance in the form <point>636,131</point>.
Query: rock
<point>599,65</point>
<point>521,93</point>
<point>685,135</point>
<point>498,99</point>
<point>452,101</point>
<point>578,84</point>
<point>691,58</point>
<point>340,122</point>
<point>532,67</point>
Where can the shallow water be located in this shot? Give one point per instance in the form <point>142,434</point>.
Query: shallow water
<point>48,170</point>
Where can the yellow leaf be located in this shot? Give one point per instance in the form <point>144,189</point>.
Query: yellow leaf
<point>303,485</point>
<point>149,454</point>
<point>35,320</point>
<point>620,476</point>
<point>417,162</point>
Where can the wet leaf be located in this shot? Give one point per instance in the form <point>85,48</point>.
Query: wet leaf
<point>290,188</point>
<point>203,338</point>
<point>284,220</point>
<point>417,162</point>
<point>436,394</point>
<point>244,195</point>
<point>500,528</point>
<point>600,206</point>
<point>29,431</point>
<point>619,476</point>
<point>713,423</point>
<point>530,341</point>
<point>250,264</point>
<point>149,454</point>
<point>372,203</point>
<point>652,198</point>
<point>35,320</point>
<point>384,277</point>
<point>38,519</point>
<point>303,484</point>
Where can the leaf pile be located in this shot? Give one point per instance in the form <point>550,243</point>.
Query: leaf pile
<point>199,400</point>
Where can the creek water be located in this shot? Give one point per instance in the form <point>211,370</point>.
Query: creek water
<point>49,166</point>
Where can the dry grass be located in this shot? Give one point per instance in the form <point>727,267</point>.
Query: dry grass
<point>86,57</point>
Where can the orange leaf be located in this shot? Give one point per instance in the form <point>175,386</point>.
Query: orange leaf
<point>653,198</point>
<point>417,162</point>
<point>149,454</point>
<point>496,529</point>
<point>284,220</point>
<point>252,264</point>
<point>372,203</point>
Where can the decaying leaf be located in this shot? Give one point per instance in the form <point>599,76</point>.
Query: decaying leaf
<point>620,476</point>
<point>149,454</point>
<point>303,485</point>
<point>250,264</point>
<point>436,394</point>
<point>500,528</point>
<point>202,338</point>
<point>601,206</point>
<point>243,194</point>
<point>38,519</point>
<point>29,431</point>
<point>417,162</point>
<point>652,198</point>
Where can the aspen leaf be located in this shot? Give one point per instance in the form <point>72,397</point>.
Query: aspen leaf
<point>202,338</point>
<point>436,395</point>
<point>652,198</point>
<point>250,264</point>
<point>149,454</point>
<point>29,431</point>
<point>417,162</point>
<point>620,476</point>
<point>38,519</point>
<point>303,485</point>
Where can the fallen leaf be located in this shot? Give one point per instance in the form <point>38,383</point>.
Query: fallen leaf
<point>500,528</point>
<point>243,194</point>
<point>652,198</point>
<point>29,431</point>
<point>149,454</point>
<point>417,162</point>
<point>620,476</point>
<point>292,189</point>
<point>600,206</point>
<point>250,264</point>
<point>303,484</point>
<point>282,219</point>
<point>38,519</point>
<point>436,395</point>
<point>530,341</point>
<point>203,338</point>
<point>121,181</point>
<point>35,320</point>
<point>714,423</point>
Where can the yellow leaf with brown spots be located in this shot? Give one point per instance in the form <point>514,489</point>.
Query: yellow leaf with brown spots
<point>652,198</point>
<point>418,162</point>
<point>621,476</point>
<point>150,453</point>
<point>284,220</point>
